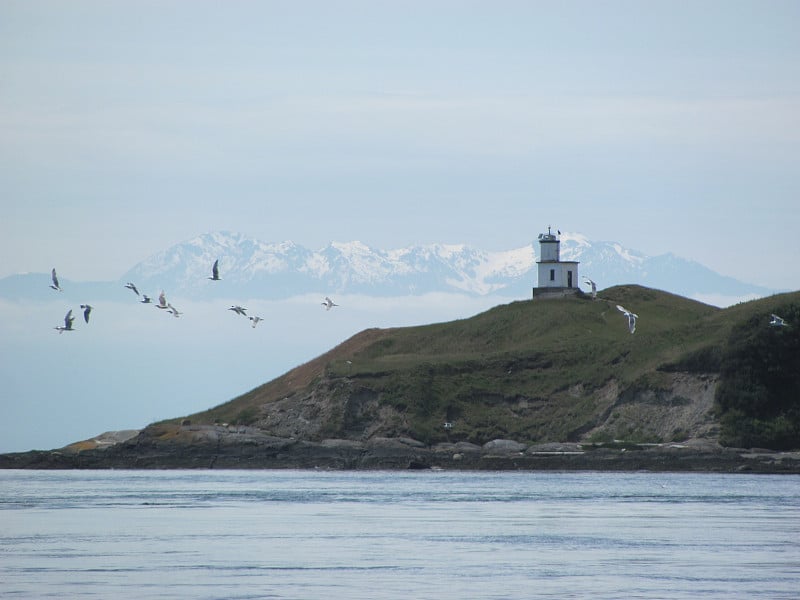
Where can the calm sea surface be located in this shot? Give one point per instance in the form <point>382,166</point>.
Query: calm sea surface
<point>388,535</point>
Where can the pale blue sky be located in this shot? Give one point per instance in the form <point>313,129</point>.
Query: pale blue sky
<point>667,126</point>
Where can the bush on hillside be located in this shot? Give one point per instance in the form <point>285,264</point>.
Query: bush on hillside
<point>758,398</point>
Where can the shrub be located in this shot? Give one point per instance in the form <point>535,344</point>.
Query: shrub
<point>758,398</point>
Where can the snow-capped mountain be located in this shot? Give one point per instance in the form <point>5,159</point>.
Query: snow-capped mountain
<point>256,269</point>
<point>281,269</point>
<point>275,270</point>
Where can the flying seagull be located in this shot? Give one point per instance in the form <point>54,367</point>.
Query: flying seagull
<point>130,286</point>
<point>238,310</point>
<point>68,319</point>
<point>255,320</point>
<point>87,310</point>
<point>146,299</point>
<point>776,321</point>
<point>162,301</point>
<point>594,287</point>
<point>328,303</point>
<point>54,277</point>
<point>215,271</point>
<point>175,312</point>
<point>631,317</point>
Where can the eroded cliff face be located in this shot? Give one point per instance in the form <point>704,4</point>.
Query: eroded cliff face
<point>334,408</point>
<point>679,409</point>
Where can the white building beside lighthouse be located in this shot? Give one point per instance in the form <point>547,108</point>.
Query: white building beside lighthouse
<point>556,277</point>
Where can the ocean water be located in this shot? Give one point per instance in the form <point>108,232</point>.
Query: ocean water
<point>390,535</point>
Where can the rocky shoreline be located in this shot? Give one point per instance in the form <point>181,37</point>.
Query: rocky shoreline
<point>220,447</point>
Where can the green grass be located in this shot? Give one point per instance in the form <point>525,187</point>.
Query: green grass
<point>529,370</point>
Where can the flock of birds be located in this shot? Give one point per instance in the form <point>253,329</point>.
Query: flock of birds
<point>775,320</point>
<point>162,303</point>
<point>68,318</point>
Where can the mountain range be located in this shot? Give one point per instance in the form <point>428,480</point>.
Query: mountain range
<point>254,268</point>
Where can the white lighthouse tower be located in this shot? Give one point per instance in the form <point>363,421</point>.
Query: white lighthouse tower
<point>556,277</point>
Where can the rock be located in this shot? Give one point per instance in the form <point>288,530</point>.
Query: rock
<point>503,447</point>
<point>342,444</point>
<point>102,441</point>
<point>393,453</point>
<point>554,448</point>
<point>215,446</point>
<point>468,448</point>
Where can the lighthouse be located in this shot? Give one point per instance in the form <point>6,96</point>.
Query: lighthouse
<point>556,277</point>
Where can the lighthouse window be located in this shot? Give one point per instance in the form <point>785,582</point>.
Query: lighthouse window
<point>552,274</point>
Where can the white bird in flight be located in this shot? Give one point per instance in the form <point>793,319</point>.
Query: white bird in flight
<point>215,271</point>
<point>87,310</point>
<point>239,310</point>
<point>594,287</point>
<point>255,320</point>
<point>130,286</point>
<point>328,303</point>
<point>67,326</point>
<point>162,301</point>
<point>54,277</point>
<point>146,299</point>
<point>631,317</point>
<point>777,321</point>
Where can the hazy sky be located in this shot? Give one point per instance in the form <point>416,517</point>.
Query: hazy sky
<point>126,127</point>
<point>667,126</point>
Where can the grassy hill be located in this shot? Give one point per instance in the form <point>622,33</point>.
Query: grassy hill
<point>551,370</point>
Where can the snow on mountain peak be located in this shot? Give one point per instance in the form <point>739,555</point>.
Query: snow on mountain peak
<point>448,251</point>
<point>510,262</point>
<point>627,255</point>
<point>575,239</point>
<point>285,268</point>
<point>351,248</point>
